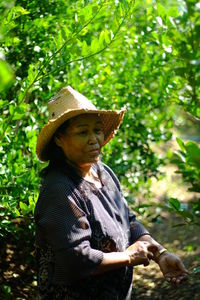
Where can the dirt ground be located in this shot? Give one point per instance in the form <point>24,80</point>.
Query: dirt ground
<point>184,241</point>
<point>149,282</point>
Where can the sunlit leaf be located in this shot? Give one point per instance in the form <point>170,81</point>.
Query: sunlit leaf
<point>181,144</point>
<point>6,74</point>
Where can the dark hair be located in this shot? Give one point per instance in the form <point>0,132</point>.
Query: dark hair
<point>57,158</point>
<point>58,161</point>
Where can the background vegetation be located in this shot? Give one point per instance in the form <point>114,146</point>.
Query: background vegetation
<point>144,55</point>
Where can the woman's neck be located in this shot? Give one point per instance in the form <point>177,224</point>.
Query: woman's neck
<point>87,172</point>
<point>83,171</point>
<point>93,177</point>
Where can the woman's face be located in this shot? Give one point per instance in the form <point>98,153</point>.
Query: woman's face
<point>82,140</point>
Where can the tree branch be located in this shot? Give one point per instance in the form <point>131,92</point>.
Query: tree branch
<point>37,77</point>
<point>95,53</point>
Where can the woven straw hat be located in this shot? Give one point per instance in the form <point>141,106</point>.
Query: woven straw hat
<point>67,104</point>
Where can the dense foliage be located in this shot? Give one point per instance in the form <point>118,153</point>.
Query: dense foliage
<point>188,161</point>
<point>142,54</point>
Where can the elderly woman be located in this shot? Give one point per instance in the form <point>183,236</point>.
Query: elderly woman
<point>87,240</point>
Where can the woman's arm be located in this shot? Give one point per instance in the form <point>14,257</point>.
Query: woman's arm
<point>111,261</point>
<point>148,238</point>
<point>170,265</point>
<point>137,254</point>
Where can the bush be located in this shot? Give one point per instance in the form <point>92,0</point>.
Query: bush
<point>187,160</point>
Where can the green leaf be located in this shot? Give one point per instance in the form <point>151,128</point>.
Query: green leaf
<point>84,51</point>
<point>107,36</point>
<point>161,10</point>
<point>196,270</point>
<point>59,40</point>
<point>104,37</point>
<point>6,289</point>
<point>179,156</point>
<point>175,204</point>
<point>95,45</point>
<point>6,74</point>
<point>24,208</point>
<point>181,144</point>
<point>17,11</point>
<point>11,109</point>
<point>193,153</point>
<point>119,86</point>
<point>186,214</point>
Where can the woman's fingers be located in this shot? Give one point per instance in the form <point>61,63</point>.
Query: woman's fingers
<point>142,252</point>
<point>153,248</point>
<point>148,251</point>
<point>168,278</point>
<point>139,253</point>
<point>146,262</point>
<point>175,278</point>
<point>150,255</point>
<point>181,266</point>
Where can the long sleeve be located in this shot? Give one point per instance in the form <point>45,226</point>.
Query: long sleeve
<point>136,228</point>
<point>68,231</point>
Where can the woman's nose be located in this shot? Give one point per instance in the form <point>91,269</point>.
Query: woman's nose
<point>92,138</point>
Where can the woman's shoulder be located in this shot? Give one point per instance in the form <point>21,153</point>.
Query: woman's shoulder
<point>55,185</point>
<point>55,176</point>
<point>54,180</point>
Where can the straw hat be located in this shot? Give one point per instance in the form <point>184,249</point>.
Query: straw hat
<point>67,104</point>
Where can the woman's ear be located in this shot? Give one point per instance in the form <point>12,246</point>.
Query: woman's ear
<point>57,140</point>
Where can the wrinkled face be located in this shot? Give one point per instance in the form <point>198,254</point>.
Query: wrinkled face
<point>82,140</point>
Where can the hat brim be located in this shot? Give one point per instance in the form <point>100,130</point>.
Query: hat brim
<point>111,120</point>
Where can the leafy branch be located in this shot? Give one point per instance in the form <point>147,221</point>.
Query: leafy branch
<point>42,67</point>
<point>70,39</point>
<point>40,76</point>
<point>99,51</point>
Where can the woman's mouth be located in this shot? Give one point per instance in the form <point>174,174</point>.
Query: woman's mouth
<point>94,152</point>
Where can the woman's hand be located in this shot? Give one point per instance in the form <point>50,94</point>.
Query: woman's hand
<point>140,253</point>
<point>172,267</point>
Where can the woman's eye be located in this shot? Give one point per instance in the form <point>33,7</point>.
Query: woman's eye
<point>82,132</point>
<point>98,131</point>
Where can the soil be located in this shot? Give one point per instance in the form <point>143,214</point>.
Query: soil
<point>185,243</point>
<point>17,265</point>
